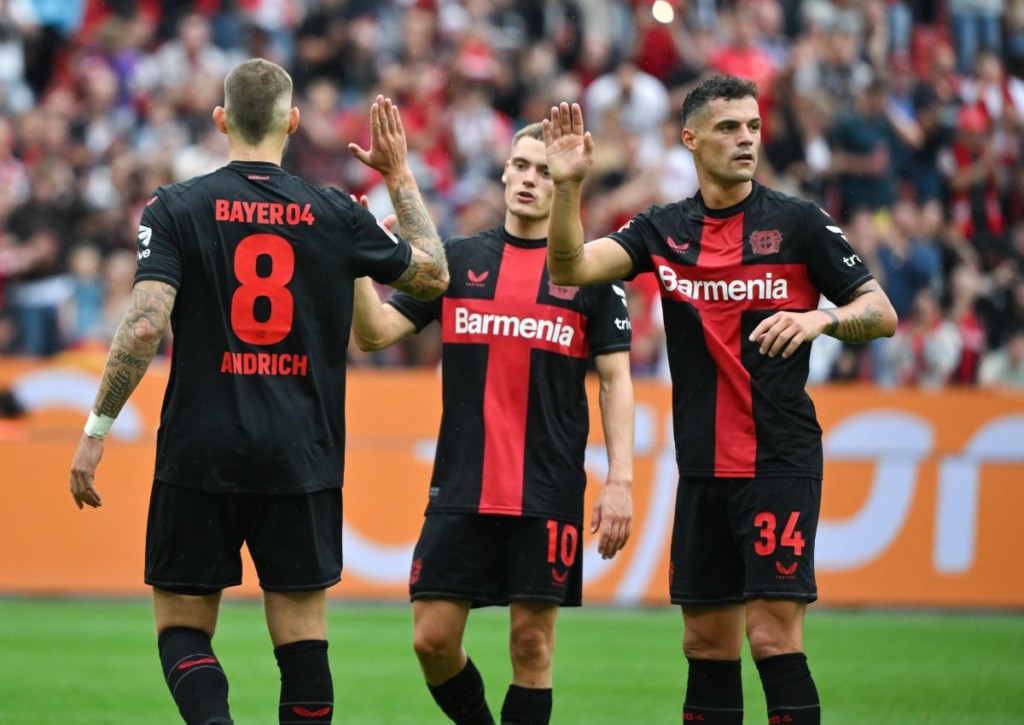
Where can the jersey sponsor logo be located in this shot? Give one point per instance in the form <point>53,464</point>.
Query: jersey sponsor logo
<point>623,324</point>
<point>721,290</point>
<point>766,242</point>
<point>264,363</point>
<point>618,289</point>
<point>529,328</point>
<point>145,235</point>
<point>680,248</point>
<point>263,212</point>
<point>476,279</point>
<point>560,292</point>
<point>852,260</point>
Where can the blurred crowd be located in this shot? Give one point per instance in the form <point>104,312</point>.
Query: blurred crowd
<point>903,118</point>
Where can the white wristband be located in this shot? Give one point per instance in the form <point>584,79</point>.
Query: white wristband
<point>98,425</point>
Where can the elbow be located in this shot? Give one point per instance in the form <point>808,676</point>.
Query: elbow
<point>564,276</point>
<point>146,334</point>
<point>433,288</point>
<point>890,321</point>
<point>369,343</point>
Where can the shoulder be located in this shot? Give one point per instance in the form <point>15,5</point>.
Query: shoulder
<point>792,204</point>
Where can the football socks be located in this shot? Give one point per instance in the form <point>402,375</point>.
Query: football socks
<point>714,692</point>
<point>789,689</point>
<point>462,697</point>
<point>526,706</point>
<point>307,690</point>
<point>194,676</point>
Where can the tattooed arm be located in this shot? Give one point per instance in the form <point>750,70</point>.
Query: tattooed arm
<point>427,274</point>
<point>865,314</point>
<point>135,343</point>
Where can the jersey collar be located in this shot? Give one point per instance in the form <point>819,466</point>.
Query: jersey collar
<point>519,242</point>
<point>729,211</point>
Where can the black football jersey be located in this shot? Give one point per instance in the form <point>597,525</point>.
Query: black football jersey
<point>736,412</point>
<point>264,265</point>
<point>515,351</point>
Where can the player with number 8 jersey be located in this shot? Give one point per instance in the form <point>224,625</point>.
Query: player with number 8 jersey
<point>261,259</point>
<point>254,269</point>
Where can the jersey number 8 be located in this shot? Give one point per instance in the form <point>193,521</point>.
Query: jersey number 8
<point>243,303</point>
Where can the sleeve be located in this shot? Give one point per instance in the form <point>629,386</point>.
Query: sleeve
<point>158,247</point>
<point>376,252</point>
<point>633,236</point>
<point>608,326</point>
<point>834,268</point>
<point>418,312</point>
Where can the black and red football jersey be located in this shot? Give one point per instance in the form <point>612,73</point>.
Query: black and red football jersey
<point>264,265</point>
<point>738,413</point>
<point>515,350</point>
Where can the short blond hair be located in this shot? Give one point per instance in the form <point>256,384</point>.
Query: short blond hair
<point>257,98</point>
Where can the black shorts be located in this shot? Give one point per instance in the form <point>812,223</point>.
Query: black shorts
<point>736,539</point>
<point>493,560</point>
<point>194,539</point>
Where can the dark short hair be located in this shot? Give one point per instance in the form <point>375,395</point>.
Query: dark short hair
<point>730,88</point>
<point>257,94</point>
<point>534,131</point>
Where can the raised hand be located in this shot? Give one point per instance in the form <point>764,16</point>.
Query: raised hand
<point>570,149</point>
<point>388,148</point>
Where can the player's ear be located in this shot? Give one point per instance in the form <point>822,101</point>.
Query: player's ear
<point>504,174</point>
<point>293,120</point>
<point>688,137</point>
<point>220,119</point>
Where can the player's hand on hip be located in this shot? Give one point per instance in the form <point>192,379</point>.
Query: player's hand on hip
<point>388,148</point>
<point>570,149</point>
<point>83,472</point>
<point>612,518</point>
<point>783,332</point>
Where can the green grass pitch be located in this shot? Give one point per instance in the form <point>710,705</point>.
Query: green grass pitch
<point>79,662</point>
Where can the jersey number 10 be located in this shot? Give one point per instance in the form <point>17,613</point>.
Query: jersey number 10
<point>243,303</point>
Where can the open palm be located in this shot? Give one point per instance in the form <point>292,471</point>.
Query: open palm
<point>570,149</point>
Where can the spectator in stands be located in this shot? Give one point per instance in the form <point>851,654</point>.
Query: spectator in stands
<point>926,348</point>
<point>1005,365</point>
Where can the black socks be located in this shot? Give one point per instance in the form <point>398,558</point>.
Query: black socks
<point>194,676</point>
<point>714,692</point>
<point>307,690</point>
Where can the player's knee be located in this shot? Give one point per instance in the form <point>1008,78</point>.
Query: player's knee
<point>712,645</point>
<point>432,645</point>
<point>531,646</point>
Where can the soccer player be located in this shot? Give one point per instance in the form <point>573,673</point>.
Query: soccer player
<point>741,268</point>
<point>254,268</point>
<point>503,520</point>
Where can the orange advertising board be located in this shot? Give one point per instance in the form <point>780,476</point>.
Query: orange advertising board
<point>922,502</point>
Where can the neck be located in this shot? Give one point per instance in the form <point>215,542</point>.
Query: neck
<point>522,228</point>
<point>721,196</point>
<point>271,153</point>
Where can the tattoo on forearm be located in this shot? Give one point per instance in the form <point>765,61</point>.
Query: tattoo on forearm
<point>423,275</point>
<point>860,328</point>
<point>565,255</point>
<point>135,343</point>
